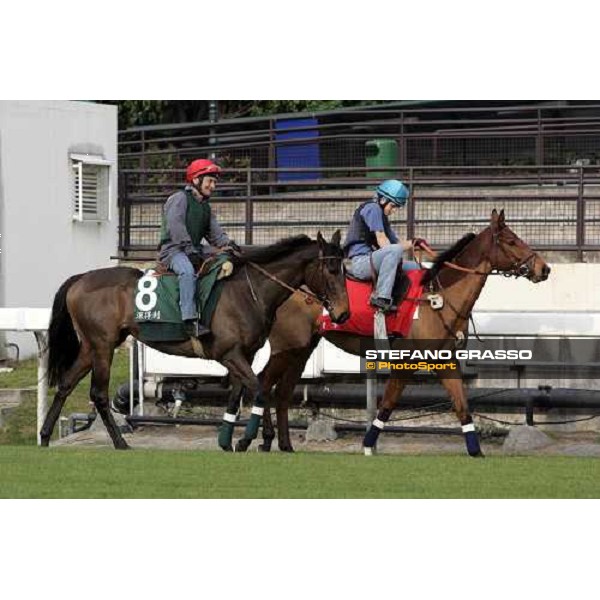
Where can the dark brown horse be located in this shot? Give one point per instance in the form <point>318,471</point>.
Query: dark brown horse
<point>93,313</point>
<point>295,332</point>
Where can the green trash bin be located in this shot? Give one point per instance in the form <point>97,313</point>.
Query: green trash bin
<point>382,153</point>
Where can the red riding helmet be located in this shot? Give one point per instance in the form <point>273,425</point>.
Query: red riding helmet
<point>199,167</point>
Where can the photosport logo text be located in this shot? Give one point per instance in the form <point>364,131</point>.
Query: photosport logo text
<point>560,358</point>
<point>385,361</point>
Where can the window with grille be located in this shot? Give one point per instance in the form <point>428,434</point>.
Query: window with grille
<point>91,187</point>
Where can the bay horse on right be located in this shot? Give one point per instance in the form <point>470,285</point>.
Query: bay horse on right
<point>458,274</point>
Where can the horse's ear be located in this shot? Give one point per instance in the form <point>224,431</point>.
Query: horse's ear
<point>336,238</point>
<point>320,239</point>
<point>494,221</point>
<point>501,222</point>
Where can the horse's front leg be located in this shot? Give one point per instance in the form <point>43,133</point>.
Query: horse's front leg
<point>456,390</point>
<point>240,369</point>
<point>256,415</point>
<point>283,395</point>
<point>268,430</point>
<point>271,379</point>
<point>295,360</point>
<point>230,417</point>
<point>393,390</point>
<point>267,380</point>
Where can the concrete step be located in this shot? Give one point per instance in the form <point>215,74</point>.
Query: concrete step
<point>10,399</point>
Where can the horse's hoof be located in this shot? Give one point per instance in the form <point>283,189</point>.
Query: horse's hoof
<point>242,445</point>
<point>123,447</point>
<point>286,448</point>
<point>227,448</point>
<point>480,454</point>
<point>369,451</point>
<point>264,448</point>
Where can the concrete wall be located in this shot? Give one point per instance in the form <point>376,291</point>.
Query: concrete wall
<point>570,287</point>
<point>41,243</point>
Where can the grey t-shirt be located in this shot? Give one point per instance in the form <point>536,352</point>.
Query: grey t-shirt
<point>174,213</point>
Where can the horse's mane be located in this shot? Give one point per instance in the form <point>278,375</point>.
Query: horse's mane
<point>268,253</point>
<point>446,256</point>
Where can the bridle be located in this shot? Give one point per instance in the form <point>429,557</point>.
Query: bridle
<point>518,268</point>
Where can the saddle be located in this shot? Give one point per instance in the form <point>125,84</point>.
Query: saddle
<point>402,284</point>
<point>157,299</point>
<point>408,286</point>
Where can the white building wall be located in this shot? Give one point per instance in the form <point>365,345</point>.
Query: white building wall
<point>41,245</point>
<point>570,287</point>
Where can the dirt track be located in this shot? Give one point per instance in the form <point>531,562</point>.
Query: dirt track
<point>193,437</point>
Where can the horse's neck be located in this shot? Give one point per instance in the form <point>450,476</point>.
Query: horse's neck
<point>289,271</point>
<point>463,289</point>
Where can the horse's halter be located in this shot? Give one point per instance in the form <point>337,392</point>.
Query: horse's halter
<point>519,268</point>
<point>321,272</point>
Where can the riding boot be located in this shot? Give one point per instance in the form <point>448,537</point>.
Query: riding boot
<point>401,288</point>
<point>193,328</point>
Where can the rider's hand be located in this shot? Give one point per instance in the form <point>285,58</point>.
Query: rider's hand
<point>196,259</point>
<point>419,242</point>
<point>233,247</point>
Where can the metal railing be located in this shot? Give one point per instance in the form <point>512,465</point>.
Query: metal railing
<point>553,208</point>
<point>451,135</point>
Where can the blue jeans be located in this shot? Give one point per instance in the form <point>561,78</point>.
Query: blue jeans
<point>181,265</point>
<point>385,261</point>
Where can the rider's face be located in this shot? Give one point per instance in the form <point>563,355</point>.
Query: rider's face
<point>389,209</point>
<point>206,185</point>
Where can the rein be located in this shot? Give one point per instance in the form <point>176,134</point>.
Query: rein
<point>309,296</point>
<point>519,269</point>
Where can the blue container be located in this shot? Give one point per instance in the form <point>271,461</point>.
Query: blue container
<point>303,155</point>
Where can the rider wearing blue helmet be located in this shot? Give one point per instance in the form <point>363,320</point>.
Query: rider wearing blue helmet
<point>372,245</point>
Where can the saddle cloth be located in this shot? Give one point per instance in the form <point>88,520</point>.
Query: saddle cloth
<point>361,321</point>
<point>156,298</point>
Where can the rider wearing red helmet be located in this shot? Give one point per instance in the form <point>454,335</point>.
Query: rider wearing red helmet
<point>201,167</point>
<point>187,220</point>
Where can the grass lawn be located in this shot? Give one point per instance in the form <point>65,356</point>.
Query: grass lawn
<point>30,472</point>
<point>21,424</point>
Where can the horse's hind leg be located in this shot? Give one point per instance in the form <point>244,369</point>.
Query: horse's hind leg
<point>99,395</point>
<point>456,391</point>
<point>80,368</point>
<point>393,389</point>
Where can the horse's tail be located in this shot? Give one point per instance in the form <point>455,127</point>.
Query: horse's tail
<point>63,343</point>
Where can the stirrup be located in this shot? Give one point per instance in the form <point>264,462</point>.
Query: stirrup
<point>383,304</point>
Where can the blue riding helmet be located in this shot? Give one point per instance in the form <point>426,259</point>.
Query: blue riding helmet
<point>394,191</point>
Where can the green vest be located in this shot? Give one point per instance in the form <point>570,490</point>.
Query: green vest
<point>197,221</point>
